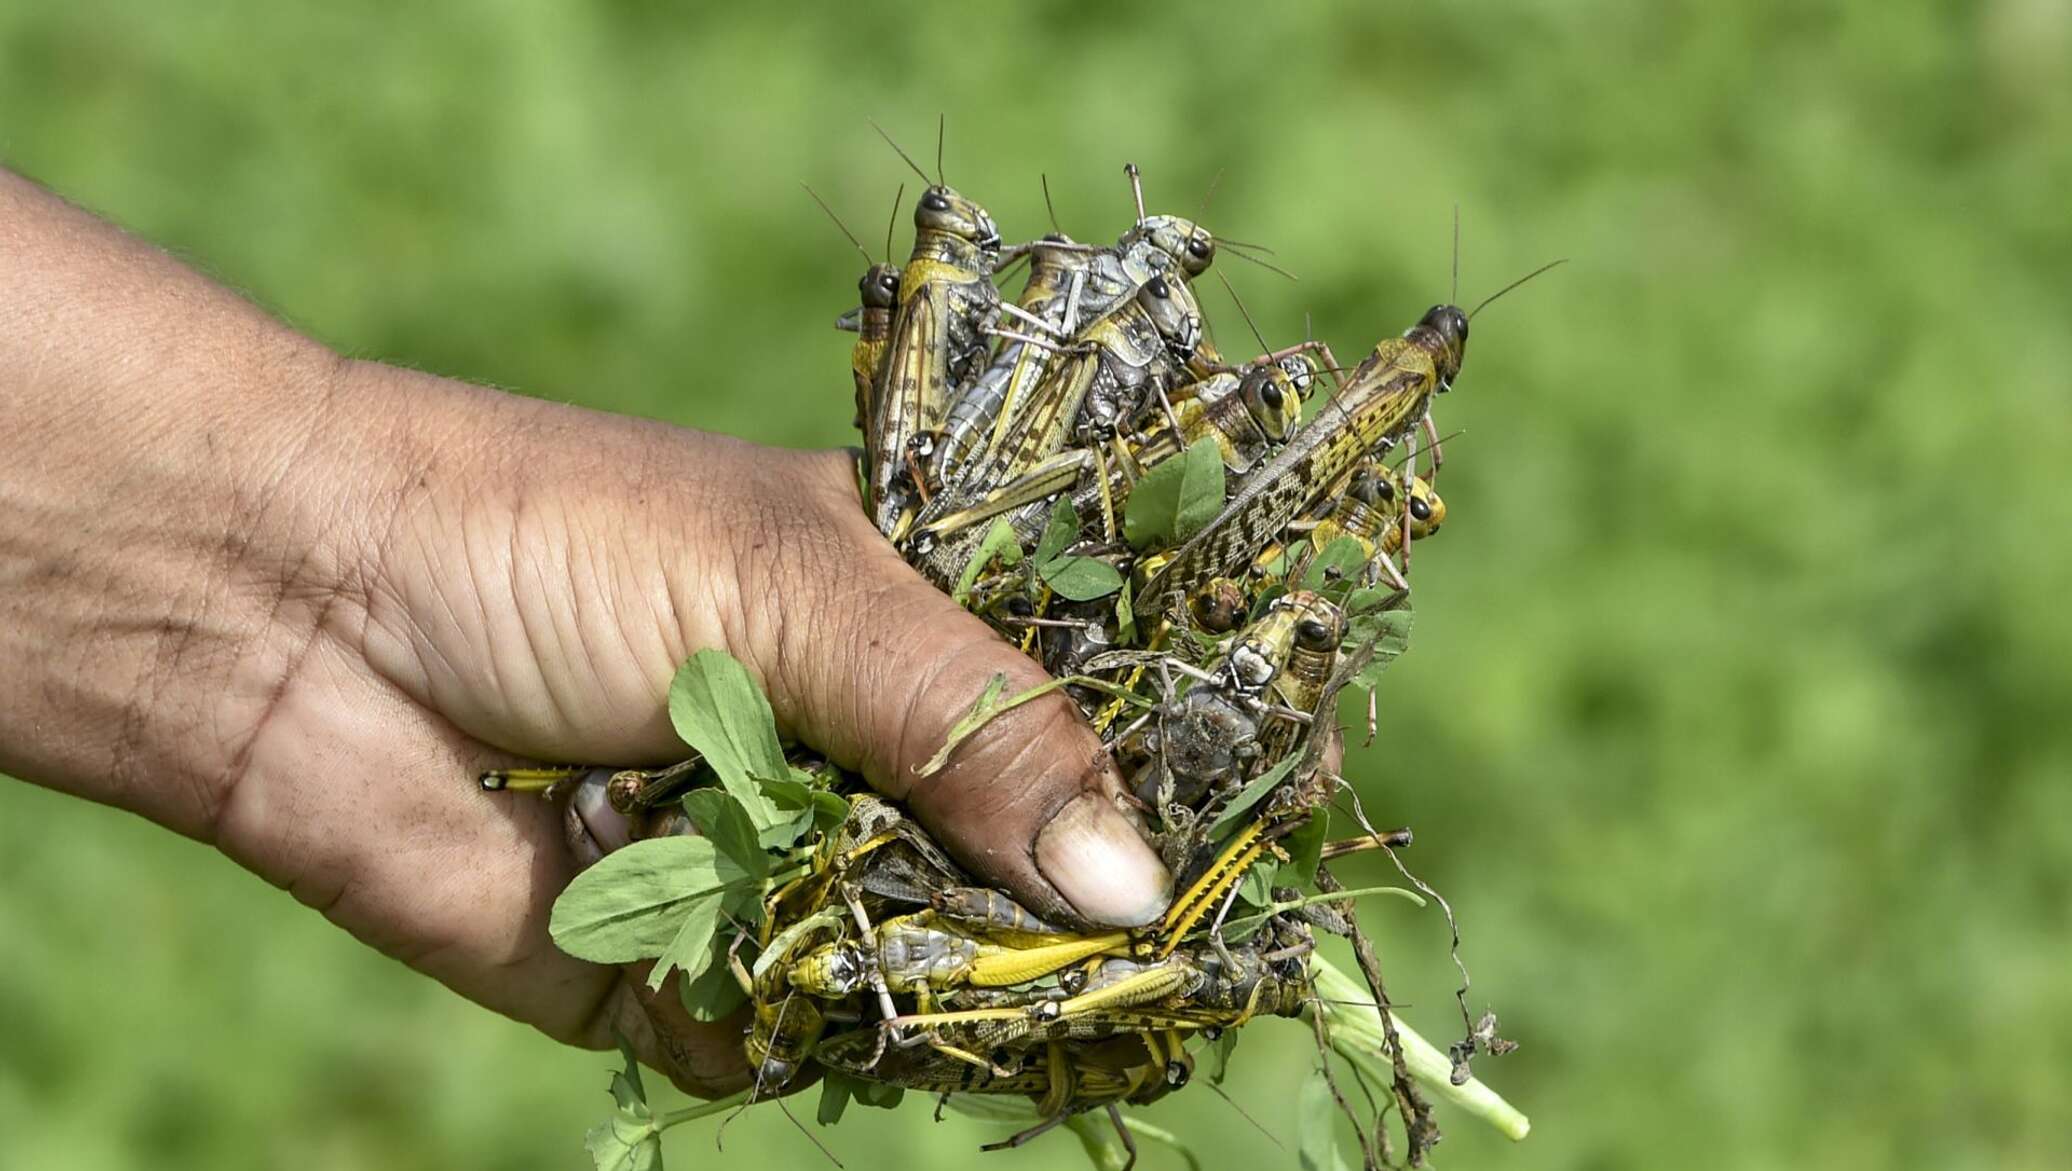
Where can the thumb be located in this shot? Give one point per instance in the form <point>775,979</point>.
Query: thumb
<point>872,665</point>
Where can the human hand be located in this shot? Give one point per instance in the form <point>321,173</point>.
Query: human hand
<point>325,595</point>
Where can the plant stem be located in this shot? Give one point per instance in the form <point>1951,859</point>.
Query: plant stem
<point>702,1109</point>
<point>1354,1027</point>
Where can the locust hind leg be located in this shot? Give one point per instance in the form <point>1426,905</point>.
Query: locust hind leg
<point>1129,1141</point>
<point>1037,1131</point>
<point>541,779</point>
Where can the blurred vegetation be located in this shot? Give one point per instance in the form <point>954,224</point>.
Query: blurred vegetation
<point>1734,727</point>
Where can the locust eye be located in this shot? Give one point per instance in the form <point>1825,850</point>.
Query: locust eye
<point>935,202</point>
<point>1020,606</point>
<point>1199,247</point>
<point>1158,288</point>
<point>889,282</point>
<point>1270,394</point>
<point>1420,508</point>
<point>1385,488</point>
<point>1176,1074</point>
<point>1315,634</point>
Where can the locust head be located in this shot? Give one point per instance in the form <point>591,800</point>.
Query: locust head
<point>943,212</point>
<point>1273,397</point>
<point>831,971</point>
<point>1442,332</point>
<point>880,286</point>
<point>1427,511</point>
<point>1173,312</point>
<point>1188,243</point>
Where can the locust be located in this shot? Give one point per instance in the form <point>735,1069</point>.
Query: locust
<point>946,303</point>
<point>871,320</point>
<point>1044,313</point>
<point>1299,690</point>
<point>1385,396</point>
<point>1112,360</point>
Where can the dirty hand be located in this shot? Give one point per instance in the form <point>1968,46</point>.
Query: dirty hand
<point>291,605</point>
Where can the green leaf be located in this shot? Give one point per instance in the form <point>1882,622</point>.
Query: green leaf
<point>1257,886</point>
<point>835,1090</point>
<point>1388,630</point>
<point>719,711</point>
<point>809,805</point>
<point>624,1143</point>
<point>1255,789</point>
<point>1305,849</point>
<point>1059,533</point>
<point>1125,617</point>
<point>1080,578</point>
<point>691,947</point>
<point>713,994</point>
<point>629,1139</point>
<point>720,817</point>
<point>1176,499</point>
<point>986,708</point>
<point>1201,492</point>
<point>1337,563</point>
<point>632,905</point>
<point>1316,1134</point>
<point>1001,542</point>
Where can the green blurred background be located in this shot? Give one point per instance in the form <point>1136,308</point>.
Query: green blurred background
<point>1735,721</point>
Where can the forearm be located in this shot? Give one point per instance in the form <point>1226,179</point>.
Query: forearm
<point>162,560</point>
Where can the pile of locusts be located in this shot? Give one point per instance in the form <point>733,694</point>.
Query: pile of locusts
<point>1204,571</point>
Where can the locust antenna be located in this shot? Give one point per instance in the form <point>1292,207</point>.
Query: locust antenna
<point>941,121</point>
<point>898,197</point>
<point>1515,284</point>
<point>902,153</point>
<point>1242,1113</point>
<point>1136,187</point>
<point>1211,193</point>
<point>1244,312</point>
<point>1047,205</point>
<point>810,1136</point>
<point>1248,247</point>
<point>839,224</point>
<point>1268,266</point>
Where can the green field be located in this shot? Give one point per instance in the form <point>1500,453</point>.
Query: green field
<point>1735,724</point>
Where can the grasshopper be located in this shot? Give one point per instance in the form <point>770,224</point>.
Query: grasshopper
<point>1386,396</point>
<point>923,954</point>
<point>1317,628</point>
<point>1379,511</point>
<point>1049,303</point>
<point>870,321</point>
<point>946,303</point>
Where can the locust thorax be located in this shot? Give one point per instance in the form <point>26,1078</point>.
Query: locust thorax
<point>1443,333</point>
<point>1051,269</point>
<point>953,229</point>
